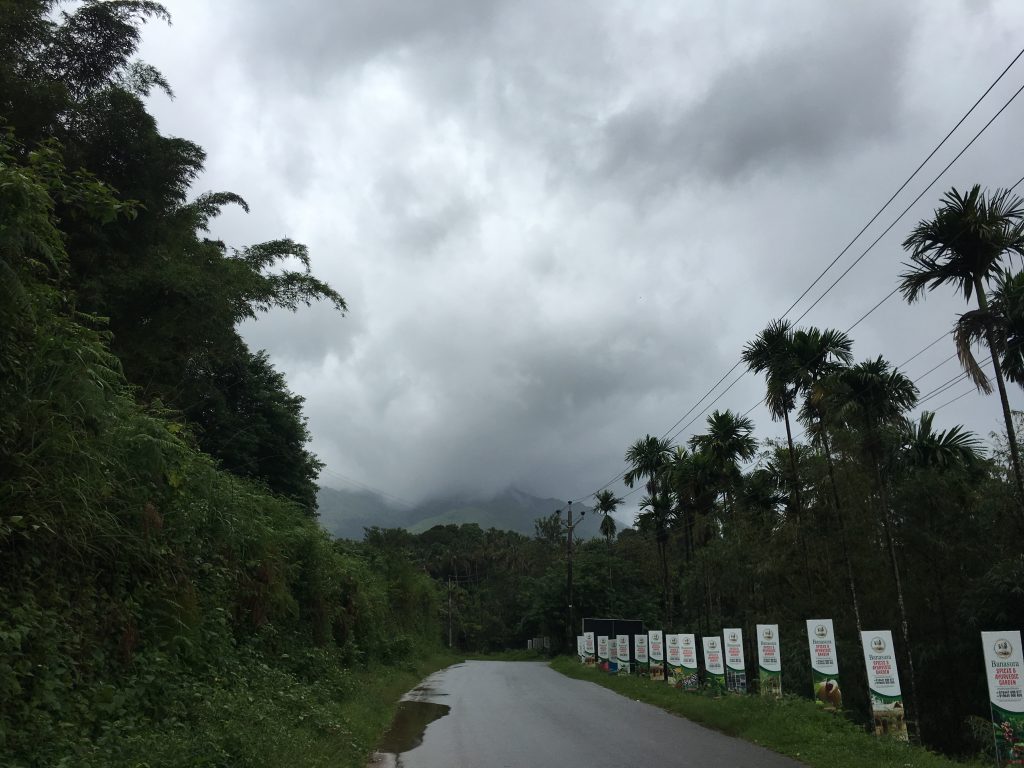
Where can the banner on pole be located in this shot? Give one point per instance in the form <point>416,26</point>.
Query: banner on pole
<point>622,642</point>
<point>603,658</point>
<point>1004,669</point>
<point>714,664</point>
<point>588,648</point>
<point>735,662</point>
<point>643,663</point>
<point>884,684</point>
<point>688,661</point>
<point>673,661</point>
<point>656,653</point>
<point>769,663</point>
<point>580,646</point>
<point>824,664</point>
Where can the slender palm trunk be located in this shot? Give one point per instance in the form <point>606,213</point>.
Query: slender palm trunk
<point>792,463</point>
<point>842,526</point>
<point>997,367</point>
<point>883,496</point>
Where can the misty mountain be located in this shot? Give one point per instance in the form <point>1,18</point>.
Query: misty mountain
<point>345,513</point>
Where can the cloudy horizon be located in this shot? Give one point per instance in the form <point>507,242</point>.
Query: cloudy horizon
<point>557,224</point>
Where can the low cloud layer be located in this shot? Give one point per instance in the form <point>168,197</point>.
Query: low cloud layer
<point>557,224</point>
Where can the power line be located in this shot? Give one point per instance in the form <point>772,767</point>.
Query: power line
<point>863,254</point>
<point>907,210</point>
<point>905,183</point>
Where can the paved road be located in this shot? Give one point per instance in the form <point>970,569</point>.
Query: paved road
<point>525,715</point>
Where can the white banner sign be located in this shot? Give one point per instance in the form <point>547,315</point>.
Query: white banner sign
<point>880,662</point>
<point>588,643</point>
<point>734,649</point>
<point>654,644</point>
<point>884,684</point>
<point>688,652</point>
<point>714,663</point>
<point>623,646</point>
<point>822,644</point>
<point>768,647</point>
<point>602,647</point>
<point>1005,670</point>
<point>672,650</point>
<point>640,644</point>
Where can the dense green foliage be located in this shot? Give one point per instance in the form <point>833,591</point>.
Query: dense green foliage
<point>156,609</point>
<point>151,602</point>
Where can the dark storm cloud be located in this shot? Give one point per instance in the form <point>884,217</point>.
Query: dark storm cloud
<point>806,102</point>
<point>556,224</point>
<point>311,40</point>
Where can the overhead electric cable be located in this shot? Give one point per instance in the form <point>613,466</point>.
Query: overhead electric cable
<point>905,183</point>
<point>907,210</point>
<point>868,249</point>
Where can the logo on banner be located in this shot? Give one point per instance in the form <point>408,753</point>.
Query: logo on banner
<point>733,637</point>
<point>821,631</point>
<point>1003,649</point>
<point>713,643</point>
<point>768,634</point>
<point>877,644</point>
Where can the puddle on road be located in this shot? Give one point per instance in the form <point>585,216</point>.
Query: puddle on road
<point>406,731</point>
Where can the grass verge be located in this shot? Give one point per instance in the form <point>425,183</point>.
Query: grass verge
<point>791,726</point>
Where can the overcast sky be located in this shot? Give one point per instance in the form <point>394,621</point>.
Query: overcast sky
<point>557,223</point>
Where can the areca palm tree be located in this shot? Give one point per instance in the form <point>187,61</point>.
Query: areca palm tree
<point>964,244</point>
<point>1006,315</point>
<point>922,446</point>
<point>771,352</point>
<point>648,459</point>
<point>607,503</point>
<point>872,398</point>
<point>728,441</point>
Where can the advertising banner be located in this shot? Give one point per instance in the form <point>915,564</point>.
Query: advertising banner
<point>735,663</point>
<point>673,661</point>
<point>769,662</point>
<point>884,684</point>
<point>580,653</point>
<point>1004,669</point>
<point>623,654</point>
<point>589,649</point>
<point>714,664</point>
<point>602,653</point>
<point>656,653</point>
<point>824,664</point>
<point>643,663</point>
<point>688,661</point>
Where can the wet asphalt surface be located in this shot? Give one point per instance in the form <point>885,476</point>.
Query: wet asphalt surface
<point>525,715</point>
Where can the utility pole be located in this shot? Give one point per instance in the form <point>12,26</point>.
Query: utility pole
<point>568,572</point>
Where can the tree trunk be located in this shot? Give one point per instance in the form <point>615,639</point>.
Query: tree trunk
<point>842,527</point>
<point>792,464</point>
<point>997,367</point>
<point>883,496</point>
